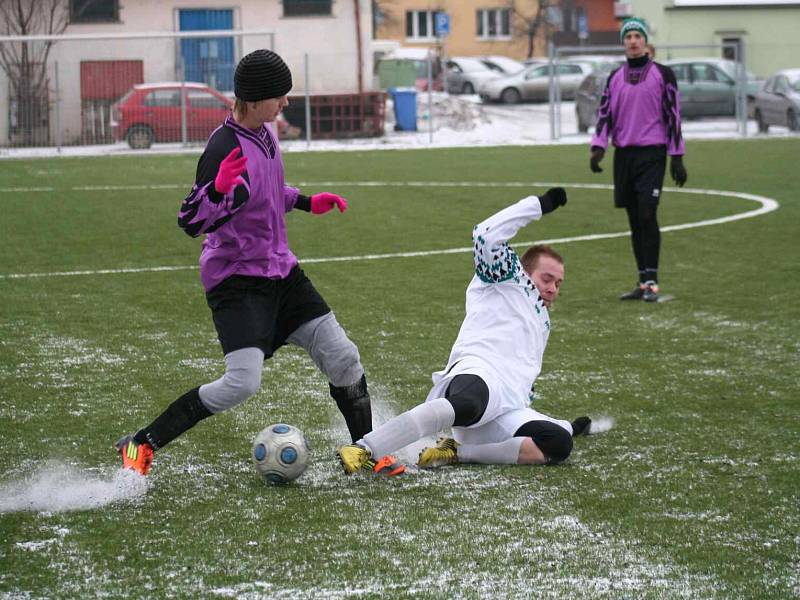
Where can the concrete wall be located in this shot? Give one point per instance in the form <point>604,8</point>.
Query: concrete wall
<point>770,32</point>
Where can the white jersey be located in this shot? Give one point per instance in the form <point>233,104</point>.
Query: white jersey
<point>506,327</point>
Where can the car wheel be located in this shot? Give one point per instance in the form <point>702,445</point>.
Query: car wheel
<point>762,126</point>
<point>792,121</point>
<point>140,137</point>
<point>468,88</point>
<point>510,96</point>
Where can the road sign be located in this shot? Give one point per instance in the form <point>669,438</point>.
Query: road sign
<point>442,24</point>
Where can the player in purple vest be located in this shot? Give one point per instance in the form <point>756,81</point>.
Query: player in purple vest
<point>640,111</point>
<point>259,297</point>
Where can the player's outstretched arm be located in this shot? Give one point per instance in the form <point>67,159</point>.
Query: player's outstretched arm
<point>494,259</point>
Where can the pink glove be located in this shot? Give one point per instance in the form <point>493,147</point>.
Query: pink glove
<point>324,201</point>
<point>230,171</point>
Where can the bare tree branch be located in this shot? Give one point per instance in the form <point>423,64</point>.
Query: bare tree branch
<point>529,24</point>
<point>25,63</point>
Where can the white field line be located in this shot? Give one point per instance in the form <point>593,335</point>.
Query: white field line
<point>766,205</point>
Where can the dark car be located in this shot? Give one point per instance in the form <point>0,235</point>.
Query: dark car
<point>778,103</point>
<point>587,96</point>
<point>154,112</point>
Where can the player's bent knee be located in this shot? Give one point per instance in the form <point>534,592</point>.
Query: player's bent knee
<point>331,350</point>
<point>558,448</point>
<point>233,388</point>
<point>469,396</point>
<point>554,441</point>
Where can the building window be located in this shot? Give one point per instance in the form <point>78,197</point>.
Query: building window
<point>493,23</point>
<point>419,24</point>
<point>93,11</point>
<point>732,48</point>
<point>302,8</point>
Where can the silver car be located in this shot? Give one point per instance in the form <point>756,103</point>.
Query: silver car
<point>533,83</point>
<point>708,86</point>
<point>778,103</point>
<point>502,64</point>
<point>466,74</point>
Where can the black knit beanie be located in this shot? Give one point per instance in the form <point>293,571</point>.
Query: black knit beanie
<point>260,75</point>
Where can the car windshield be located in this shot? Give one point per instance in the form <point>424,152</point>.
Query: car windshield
<point>795,83</point>
<point>469,65</point>
<point>127,95</point>
<point>729,67</point>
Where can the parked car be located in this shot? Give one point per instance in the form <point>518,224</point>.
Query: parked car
<point>466,74</point>
<point>694,77</point>
<point>502,64</point>
<point>778,102</point>
<point>708,86</point>
<point>533,83</point>
<point>606,62</point>
<point>536,60</point>
<point>588,94</point>
<point>153,112</point>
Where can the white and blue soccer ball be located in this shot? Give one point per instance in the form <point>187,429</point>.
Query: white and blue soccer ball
<point>281,453</point>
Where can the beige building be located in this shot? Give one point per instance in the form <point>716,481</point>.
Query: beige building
<point>477,27</point>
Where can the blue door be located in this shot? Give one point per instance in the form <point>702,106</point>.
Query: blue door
<point>208,60</point>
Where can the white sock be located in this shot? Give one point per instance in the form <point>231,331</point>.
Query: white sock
<point>400,431</point>
<point>500,453</point>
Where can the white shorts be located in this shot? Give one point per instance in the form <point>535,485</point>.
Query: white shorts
<point>505,413</point>
<point>501,398</point>
<point>503,427</point>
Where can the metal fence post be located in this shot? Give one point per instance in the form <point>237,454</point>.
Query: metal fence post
<point>59,139</point>
<point>307,70</point>
<point>430,98</point>
<point>551,52</point>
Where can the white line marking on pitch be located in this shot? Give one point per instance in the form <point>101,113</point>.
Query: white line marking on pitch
<point>767,205</point>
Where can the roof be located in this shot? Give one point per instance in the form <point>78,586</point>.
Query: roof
<point>412,53</point>
<point>790,73</point>
<point>163,84</point>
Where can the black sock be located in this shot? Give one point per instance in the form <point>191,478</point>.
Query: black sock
<point>354,404</point>
<point>180,416</point>
<point>651,275</point>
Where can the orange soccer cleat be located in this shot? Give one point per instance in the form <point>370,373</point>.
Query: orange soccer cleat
<point>389,466</point>
<point>135,456</point>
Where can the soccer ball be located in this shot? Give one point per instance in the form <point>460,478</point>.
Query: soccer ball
<point>280,453</point>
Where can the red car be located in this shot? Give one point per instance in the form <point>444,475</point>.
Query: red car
<point>154,112</point>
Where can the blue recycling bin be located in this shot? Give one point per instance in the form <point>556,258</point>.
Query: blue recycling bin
<point>405,108</point>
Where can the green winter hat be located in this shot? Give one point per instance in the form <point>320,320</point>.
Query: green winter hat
<point>633,24</point>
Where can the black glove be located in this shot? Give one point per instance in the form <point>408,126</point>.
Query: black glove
<point>597,155</point>
<point>678,171</point>
<point>552,199</point>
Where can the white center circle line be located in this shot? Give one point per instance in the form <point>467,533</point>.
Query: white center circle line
<point>766,205</point>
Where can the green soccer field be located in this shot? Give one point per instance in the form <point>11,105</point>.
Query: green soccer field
<point>693,493</point>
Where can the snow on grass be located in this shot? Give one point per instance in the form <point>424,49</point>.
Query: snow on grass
<point>59,487</point>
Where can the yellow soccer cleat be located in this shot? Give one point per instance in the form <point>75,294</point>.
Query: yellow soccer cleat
<point>444,453</point>
<point>354,458</point>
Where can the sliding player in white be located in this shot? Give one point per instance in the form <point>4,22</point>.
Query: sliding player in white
<point>484,393</point>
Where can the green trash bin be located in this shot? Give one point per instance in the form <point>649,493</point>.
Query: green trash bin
<point>396,72</point>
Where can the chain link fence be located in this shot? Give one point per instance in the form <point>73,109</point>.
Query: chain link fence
<point>145,90</point>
